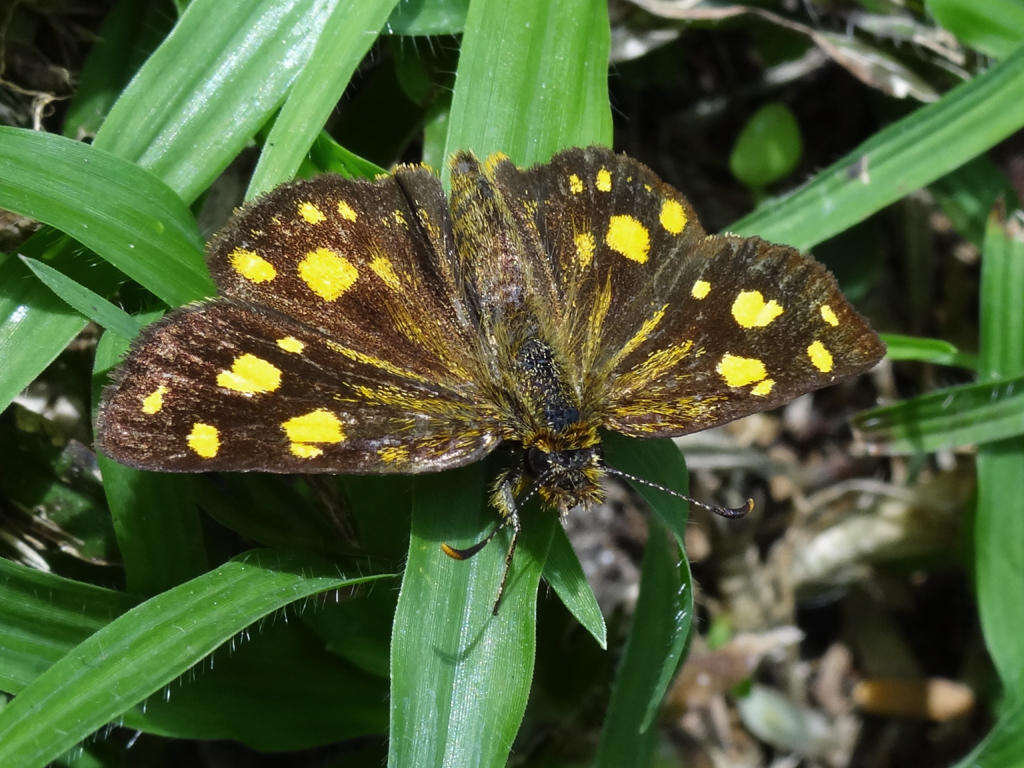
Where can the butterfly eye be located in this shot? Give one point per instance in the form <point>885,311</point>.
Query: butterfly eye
<point>539,461</point>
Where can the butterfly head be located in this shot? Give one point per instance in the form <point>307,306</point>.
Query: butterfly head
<point>567,469</point>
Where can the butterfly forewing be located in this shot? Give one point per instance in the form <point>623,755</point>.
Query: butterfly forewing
<point>341,344</point>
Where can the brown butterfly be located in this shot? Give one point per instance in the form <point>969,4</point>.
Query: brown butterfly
<point>376,327</point>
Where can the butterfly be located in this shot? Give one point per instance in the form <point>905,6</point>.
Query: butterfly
<point>378,327</point>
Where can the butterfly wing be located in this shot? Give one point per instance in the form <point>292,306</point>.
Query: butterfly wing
<point>341,344</point>
<point>670,330</point>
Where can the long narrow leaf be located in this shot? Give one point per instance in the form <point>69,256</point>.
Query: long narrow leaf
<point>120,211</point>
<point>908,154</point>
<point>535,86</point>
<point>137,653</point>
<point>87,303</point>
<point>212,83</point>
<point>563,572</point>
<point>964,415</point>
<point>661,647</point>
<point>460,675</point>
<point>347,35</point>
<point>935,351</point>
<point>999,520</point>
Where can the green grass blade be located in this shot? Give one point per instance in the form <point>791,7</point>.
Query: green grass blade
<point>213,82</point>
<point>994,27</point>
<point>155,515</point>
<point>143,649</point>
<point>42,616</point>
<point>35,325</point>
<point>461,676</point>
<point>999,519</point>
<point>84,301</point>
<point>531,87</point>
<point>624,740</point>
<point>923,350</point>
<point>278,691</point>
<point>1003,747</point>
<point>563,572</point>
<point>328,156</point>
<point>347,35</point>
<point>660,644</point>
<point>946,418</point>
<point>906,155</point>
<point>427,17</point>
<point>120,211</point>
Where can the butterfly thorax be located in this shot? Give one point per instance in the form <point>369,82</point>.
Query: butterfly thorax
<point>560,444</point>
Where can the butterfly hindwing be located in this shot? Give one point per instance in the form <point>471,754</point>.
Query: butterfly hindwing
<point>225,385</point>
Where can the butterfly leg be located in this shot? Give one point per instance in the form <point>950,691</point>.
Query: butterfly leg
<point>503,498</point>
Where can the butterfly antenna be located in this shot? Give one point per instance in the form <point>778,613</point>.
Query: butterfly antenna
<point>730,512</point>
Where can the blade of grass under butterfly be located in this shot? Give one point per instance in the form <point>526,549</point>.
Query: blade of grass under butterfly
<point>946,418</point>
<point>460,675</point>
<point>118,210</point>
<point>209,87</point>
<point>187,113</point>
<point>155,515</point>
<point>562,570</point>
<point>427,17</point>
<point>923,350</point>
<point>624,739</point>
<point>534,87</point>
<point>278,691</point>
<point>150,645</point>
<point>999,518</point>
<point>347,35</point>
<point>899,159</point>
<point>442,703</point>
<point>658,642</point>
<point>86,302</point>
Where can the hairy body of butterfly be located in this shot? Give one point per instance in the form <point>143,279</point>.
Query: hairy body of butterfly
<point>376,327</point>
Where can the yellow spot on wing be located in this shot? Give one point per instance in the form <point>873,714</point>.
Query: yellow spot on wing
<point>250,374</point>
<point>327,274</point>
<point>828,315</point>
<point>751,311</point>
<point>304,451</point>
<point>763,388</point>
<point>604,180</point>
<point>575,184</point>
<point>204,439</point>
<point>346,212</point>
<point>673,217</point>
<point>383,269</point>
<point>628,237</point>
<point>740,371</point>
<point>311,213</point>
<point>584,248</point>
<point>820,357</point>
<point>251,265</point>
<point>392,454</point>
<point>319,426</point>
<point>291,344</point>
<point>700,289</point>
<point>154,401</point>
